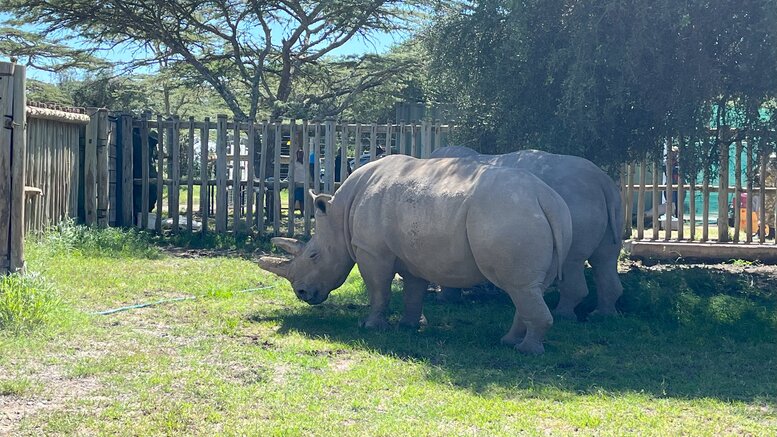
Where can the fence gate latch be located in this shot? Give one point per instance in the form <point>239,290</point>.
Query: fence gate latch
<point>8,122</point>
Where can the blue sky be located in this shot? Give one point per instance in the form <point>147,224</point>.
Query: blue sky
<point>377,44</point>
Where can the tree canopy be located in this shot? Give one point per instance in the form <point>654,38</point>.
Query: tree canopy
<point>271,56</point>
<point>604,79</point>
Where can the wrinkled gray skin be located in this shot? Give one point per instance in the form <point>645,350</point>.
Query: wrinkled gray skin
<point>594,202</point>
<point>443,220</point>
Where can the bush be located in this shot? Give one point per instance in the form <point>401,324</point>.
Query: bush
<point>26,301</point>
<point>70,238</point>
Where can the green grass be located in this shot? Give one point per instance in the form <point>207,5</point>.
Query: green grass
<point>693,353</point>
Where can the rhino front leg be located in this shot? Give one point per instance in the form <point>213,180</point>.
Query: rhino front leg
<point>415,290</point>
<point>377,274</point>
<point>535,315</point>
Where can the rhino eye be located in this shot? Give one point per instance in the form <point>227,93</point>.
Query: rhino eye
<point>313,255</point>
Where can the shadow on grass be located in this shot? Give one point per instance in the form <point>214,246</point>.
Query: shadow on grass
<point>684,333</point>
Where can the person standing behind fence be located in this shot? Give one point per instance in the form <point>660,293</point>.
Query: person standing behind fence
<point>299,181</point>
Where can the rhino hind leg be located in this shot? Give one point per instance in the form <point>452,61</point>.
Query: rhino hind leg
<point>533,315</point>
<point>572,290</point>
<point>414,292</point>
<point>609,289</point>
<point>517,331</point>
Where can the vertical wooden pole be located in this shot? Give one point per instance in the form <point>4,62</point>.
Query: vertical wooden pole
<point>641,200</point>
<point>6,138</point>
<point>373,142</point>
<point>127,180</point>
<point>737,189</point>
<point>174,193</point>
<point>343,153</point>
<point>402,138</point>
<point>389,138</point>
<point>19,151</point>
<point>221,174</point>
<point>723,194</point>
<point>358,147</point>
<point>749,174</point>
<point>656,200</point>
<point>90,169</point>
<point>144,171</point>
<point>306,164</point>
<point>204,174</point>
<point>292,177</point>
<point>190,175</point>
<point>413,142</point>
<point>103,179</point>
<point>762,197</point>
<point>668,191</point>
<point>262,211</point>
<point>316,156</point>
<point>628,198</point>
<point>329,156</point>
<point>160,168</point>
<point>250,177</point>
<point>276,193</point>
<point>237,224</point>
<point>705,215</point>
<point>680,191</point>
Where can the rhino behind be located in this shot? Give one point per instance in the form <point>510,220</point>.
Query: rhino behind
<point>597,220</point>
<point>441,220</point>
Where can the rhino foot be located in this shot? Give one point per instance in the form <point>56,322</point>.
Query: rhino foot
<point>531,347</point>
<point>379,323</point>
<point>511,340</point>
<point>412,323</point>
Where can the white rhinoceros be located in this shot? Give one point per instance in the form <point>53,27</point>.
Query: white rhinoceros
<point>594,202</point>
<point>443,220</point>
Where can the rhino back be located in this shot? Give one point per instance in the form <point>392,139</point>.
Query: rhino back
<point>419,212</point>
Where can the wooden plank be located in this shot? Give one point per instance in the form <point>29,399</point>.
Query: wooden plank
<point>316,157</point>
<point>262,211</point>
<point>17,169</point>
<point>641,200</point>
<point>90,170</point>
<point>126,169</point>
<point>389,139</point>
<point>668,193</point>
<point>680,193</point>
<point>291,175</point>
<point>160,165</point>
<point>656,201</point>
<point>276,193</point>
<point>413,143</point>
<point>174,191</point>
<point>692,206</point>
<point>145,162</point>
<point>723,194</point>
<point>357,147</point>
<point>307,182</point>
<point>103,177</point>
<point>438,139</point>
<point>190,176</point>
<point>749,204</point>
<point>237,224</point>
<point>402,138</point>
<point>762,198</point>
<point>343,153</point>
<point>250,180</point>
<point>628,197</point>
<point>221,174</point>
<point>204,176</point>
<point>705,215</point>
<point>373,142</point>
<point>737,189</point>
<point>329,156</point>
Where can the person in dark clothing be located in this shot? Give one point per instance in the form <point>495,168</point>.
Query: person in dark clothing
<point>137,172</point>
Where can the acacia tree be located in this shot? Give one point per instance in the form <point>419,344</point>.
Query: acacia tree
<point>252,53</point>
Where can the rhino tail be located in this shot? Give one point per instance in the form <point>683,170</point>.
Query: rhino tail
<point>560,225</point>
<point>614,211</point>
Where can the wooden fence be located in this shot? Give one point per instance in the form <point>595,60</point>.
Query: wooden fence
<point>235,176</point>
<point>733,201</point>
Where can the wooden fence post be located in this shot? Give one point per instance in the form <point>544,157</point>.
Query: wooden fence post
<point>6,114</point>
<point>723,194</point>
<point>190,175</point>
<point>90,168</point>
<point>291,176</point>
<point>204,174</point>
<point>18,155</point>
<point>174,192</point>
<point>237,224</point>
<point>221,174</point>
<point>276,183</point>
<point>102,168</point>
<point>127,180</point>
<point>261,208</point>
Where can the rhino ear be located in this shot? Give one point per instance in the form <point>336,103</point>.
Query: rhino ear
<point>321,201</point>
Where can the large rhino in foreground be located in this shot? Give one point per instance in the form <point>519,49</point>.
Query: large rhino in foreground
<point>443,220</point>
<point>594,202</point>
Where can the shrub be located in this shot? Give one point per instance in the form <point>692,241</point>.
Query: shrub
<point>70,238</point>
<point>26,301</point>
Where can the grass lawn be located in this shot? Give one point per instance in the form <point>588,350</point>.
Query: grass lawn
<point>693,353</point>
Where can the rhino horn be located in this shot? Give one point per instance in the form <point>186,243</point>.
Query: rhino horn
<point>279,266</point>
<point>290,245</point>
